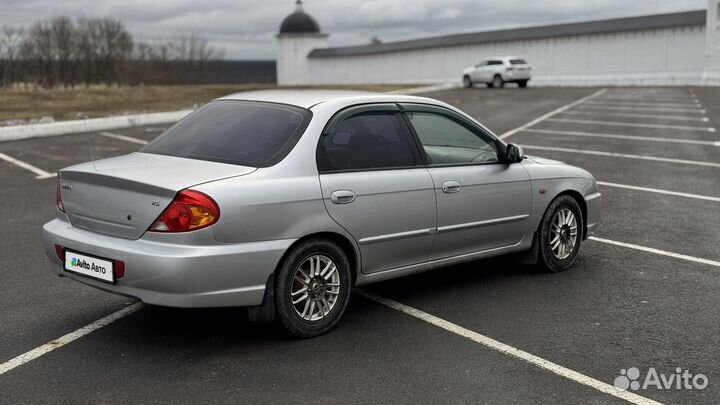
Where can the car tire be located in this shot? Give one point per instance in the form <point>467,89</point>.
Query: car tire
<point>523,84</point>
<point>305,266</point>
<point>498,82</point>
<point>560,234</point>
<point>467,83</point>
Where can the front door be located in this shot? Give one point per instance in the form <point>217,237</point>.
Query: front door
<point>374,185</point>
<point>482,203</point>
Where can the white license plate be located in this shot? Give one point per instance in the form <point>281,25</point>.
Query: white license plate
<point>90,266</point>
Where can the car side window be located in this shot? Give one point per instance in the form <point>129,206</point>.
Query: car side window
<point>447,141</point>
<point>366,141</point>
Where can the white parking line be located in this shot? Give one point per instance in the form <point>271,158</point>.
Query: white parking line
<point>632,124</point>
<point>509,350</point>
<point>40,173</point>
<point>626,137</point>
<point>124,138</point>
<point>644,104</point>
<point>646,109</point>
<point>63,340</point>
<point>633,115</point>
<point>657,251</point>
<point>623,155</point>
<point>691,100</point>
<point>154,129</point>
<point>659,191</point>
<point>551,113</point>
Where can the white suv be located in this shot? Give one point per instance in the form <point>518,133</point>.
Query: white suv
<point>497,71</point>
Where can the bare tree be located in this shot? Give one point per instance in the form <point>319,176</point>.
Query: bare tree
<point>51,48</point>
<point>98,50</point>
<point>10,62</point>
<point>180,59</point>
<point>104,49</point>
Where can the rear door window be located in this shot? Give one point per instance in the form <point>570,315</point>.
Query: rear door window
<point>518,62</point>
<point>367,141</point>
<point>246,133</point>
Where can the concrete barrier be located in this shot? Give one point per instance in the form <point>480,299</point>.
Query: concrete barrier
<point>16,132</point>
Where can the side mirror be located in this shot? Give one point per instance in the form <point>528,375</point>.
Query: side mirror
<point>513,154</point>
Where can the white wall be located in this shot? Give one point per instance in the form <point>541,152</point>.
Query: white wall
<point>292,62</point>
<point>671,56</point>
<point>712,43</point>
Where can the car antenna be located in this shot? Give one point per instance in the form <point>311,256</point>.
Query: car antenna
<point>92,153</point>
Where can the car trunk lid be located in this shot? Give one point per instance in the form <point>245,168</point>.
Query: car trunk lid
<point>123,196</point>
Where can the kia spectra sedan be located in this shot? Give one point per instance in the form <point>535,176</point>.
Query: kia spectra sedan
<point>282,201</point>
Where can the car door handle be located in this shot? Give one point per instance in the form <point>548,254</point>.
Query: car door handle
<point>342,197</point>
<point>451,186</point>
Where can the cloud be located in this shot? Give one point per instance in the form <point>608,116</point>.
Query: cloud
<point>246,28</point>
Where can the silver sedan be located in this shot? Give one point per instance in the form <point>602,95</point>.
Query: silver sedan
<point>282,201</point>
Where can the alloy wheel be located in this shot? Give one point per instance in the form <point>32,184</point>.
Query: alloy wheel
<point>563,233</point>
<point>315,288</point>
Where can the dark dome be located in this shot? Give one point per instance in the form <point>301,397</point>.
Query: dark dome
<point>299,22</point>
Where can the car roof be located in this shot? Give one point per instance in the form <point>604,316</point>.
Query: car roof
<point>310,98</point>
<point>503,57</point>
<point>300,98</point>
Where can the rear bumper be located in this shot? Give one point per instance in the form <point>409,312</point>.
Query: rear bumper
<point>593,202</point>
<point>173,275</point>
<point>516,76</point>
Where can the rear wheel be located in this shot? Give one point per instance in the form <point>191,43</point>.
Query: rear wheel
<point>467,83</point>
<point>498,82</point>
<point>312,288</point>
<point>560,234</point>
<point>522,83</point>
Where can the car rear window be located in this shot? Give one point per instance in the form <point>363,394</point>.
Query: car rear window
<point>245,133</point>
<point>518,62</point>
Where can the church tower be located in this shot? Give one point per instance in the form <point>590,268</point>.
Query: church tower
<point>299,35</point>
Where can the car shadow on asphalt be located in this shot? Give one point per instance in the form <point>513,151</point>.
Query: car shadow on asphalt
<point>166,326</point>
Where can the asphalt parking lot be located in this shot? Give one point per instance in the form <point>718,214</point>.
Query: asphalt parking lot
<point>644,293</point>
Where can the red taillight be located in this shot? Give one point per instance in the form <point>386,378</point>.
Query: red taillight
<point>58,197</point>
<point>190,210</point>
<point>119,269</point>
<point>60,253</point>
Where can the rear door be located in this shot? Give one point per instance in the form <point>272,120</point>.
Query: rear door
<point>482,203</point>
<point>374,185</point>
<point>494,67</point>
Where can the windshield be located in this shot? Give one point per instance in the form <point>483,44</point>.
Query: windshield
<point>239,132</point>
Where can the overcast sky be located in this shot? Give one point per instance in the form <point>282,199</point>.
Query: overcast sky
<point>245,29</point>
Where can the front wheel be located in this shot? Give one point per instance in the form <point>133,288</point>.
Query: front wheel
<point>312,288</point>
<point>467,83</point>
<point>522,83</point>
<point>560,234</point>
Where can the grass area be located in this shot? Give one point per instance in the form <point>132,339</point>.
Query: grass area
<point>99,101</point>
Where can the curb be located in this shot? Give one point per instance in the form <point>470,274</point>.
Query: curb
<point>17,132</point>
<point>426,89</point>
